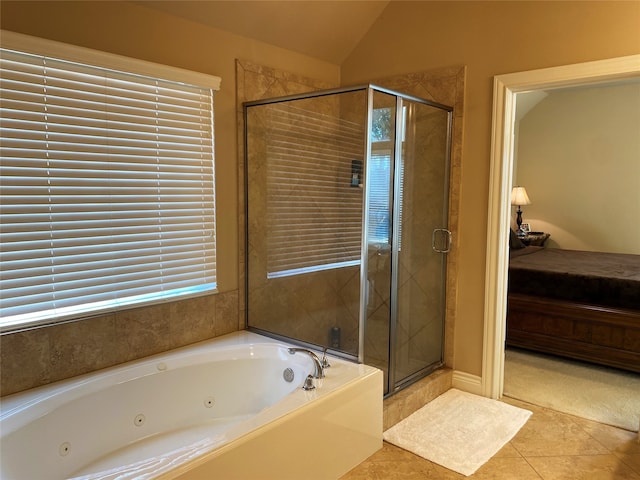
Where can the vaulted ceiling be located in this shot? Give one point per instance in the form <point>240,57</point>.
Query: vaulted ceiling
<point>328,29</point>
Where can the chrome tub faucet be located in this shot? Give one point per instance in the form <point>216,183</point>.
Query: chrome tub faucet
<point>319,369</point>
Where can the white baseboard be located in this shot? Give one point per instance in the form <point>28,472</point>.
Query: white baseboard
<point>467,382</point>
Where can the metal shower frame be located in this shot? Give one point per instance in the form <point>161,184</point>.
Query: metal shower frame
<point>364,262</point>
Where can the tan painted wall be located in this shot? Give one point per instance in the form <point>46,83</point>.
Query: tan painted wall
<point>579,158</point>
<point>490,38</point>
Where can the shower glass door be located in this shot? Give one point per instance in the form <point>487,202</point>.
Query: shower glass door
<point>378,235</point>
<point>407,198</point>
<point>304,218</point>
<point>421,240</point>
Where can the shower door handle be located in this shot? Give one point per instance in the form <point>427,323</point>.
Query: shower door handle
<point>444,246</point>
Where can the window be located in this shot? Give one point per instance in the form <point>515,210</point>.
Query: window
<point>380,176</point>
<point>379,196</point>
<point>106,182</point>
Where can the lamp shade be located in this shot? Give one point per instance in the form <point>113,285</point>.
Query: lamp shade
<point>519,196</point>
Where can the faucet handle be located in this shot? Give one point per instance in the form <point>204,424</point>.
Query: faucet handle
<point>325,360</point>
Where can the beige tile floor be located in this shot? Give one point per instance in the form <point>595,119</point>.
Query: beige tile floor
<point>550,446</point>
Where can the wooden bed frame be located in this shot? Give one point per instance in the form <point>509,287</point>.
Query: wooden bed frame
<point>603,335</point>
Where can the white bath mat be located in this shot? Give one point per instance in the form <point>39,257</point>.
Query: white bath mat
<point>458,430</point>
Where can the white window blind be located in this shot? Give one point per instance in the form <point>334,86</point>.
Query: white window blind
<point>106,189</point>
<point>379,197</point>
<point>314,214</point>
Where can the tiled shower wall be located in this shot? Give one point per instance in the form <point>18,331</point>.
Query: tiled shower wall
<point>446,86</point>
<point>256,82</point>
<point>299,174</point>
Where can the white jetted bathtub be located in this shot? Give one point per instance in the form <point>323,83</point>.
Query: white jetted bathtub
<point>228,408</point>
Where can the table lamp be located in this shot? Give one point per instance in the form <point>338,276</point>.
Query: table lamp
<point>519,197</point>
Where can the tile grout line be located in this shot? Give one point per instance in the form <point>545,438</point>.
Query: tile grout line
<point>522,455</point>
<point>533,468</point>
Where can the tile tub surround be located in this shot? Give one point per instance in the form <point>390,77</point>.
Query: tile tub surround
<point>44,355</point>
<point>550,446</point>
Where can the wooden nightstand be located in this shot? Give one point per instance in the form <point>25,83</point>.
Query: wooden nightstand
<point>536,239</point>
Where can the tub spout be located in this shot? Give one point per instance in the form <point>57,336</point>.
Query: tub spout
<point>319,370</point>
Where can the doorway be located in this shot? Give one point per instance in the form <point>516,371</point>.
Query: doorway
<point>506,87</point>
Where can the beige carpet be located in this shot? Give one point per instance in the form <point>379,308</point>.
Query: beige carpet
<point>602,394</point>
<point>458,430</point>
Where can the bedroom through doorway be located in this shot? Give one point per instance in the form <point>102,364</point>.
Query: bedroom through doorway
<point>502,371</point>
<point>567,189</point>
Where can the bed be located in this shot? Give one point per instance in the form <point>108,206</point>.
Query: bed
<point>576,304</point>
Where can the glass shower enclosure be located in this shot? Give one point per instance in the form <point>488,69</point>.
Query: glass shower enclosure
<point>346,208</point>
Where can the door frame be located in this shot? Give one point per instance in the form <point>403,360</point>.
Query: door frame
<point>505,88</point>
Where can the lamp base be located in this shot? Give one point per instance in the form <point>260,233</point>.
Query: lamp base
<point>520,233</point>
<point>519,218</point>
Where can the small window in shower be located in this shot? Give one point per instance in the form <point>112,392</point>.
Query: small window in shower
<point>379,181</point>
<point>381,125</point>
<point>380,176</point>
